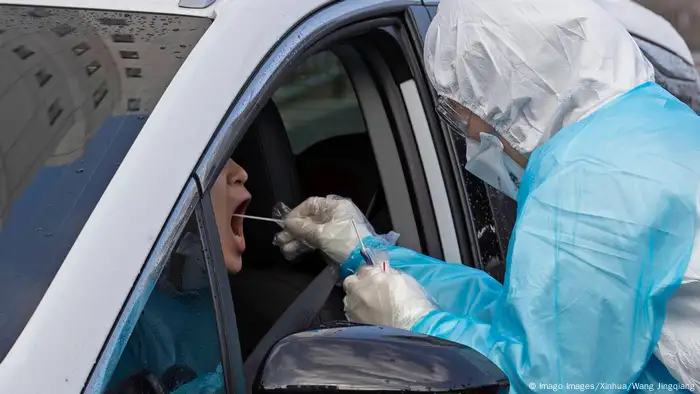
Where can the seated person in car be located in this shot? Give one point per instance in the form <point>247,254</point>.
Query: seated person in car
<point>179,313</point>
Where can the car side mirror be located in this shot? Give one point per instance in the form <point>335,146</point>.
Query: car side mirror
<point>345,357</point>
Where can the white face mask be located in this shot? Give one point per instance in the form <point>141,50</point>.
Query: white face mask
<point>488,161</point>
<point>485,159</point>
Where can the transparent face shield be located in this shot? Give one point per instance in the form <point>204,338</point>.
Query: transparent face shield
<point>486,157</point>
<point>456,117</point>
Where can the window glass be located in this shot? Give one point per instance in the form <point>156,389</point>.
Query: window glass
<point>76,87</point>
<point>317,102</point>
<point>174,344</point>
<point>492,214</point>
<point>328,135</point>
<point>309,140</point>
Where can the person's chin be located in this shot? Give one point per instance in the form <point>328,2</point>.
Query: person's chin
<point>234,262</point>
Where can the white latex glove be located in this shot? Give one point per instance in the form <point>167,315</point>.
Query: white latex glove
<point>323,223</point>
<point>385,298</point>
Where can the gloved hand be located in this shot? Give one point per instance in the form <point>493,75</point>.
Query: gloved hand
<point>323,223</point>
<point>385,298</point>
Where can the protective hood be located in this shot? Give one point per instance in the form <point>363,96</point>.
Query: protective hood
<point>531,67</point>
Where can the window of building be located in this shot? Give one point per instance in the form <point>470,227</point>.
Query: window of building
<point>23,52</point>
<point>133,72</point>
<point>129,54</point>
<point>42,77</point>
<point>122,38</point>
<point>55,110</point>
<point>133,104</point>
<point>63,30</point>
<point>81,48</point>
<point>92,67</point>
<point>99,94</point>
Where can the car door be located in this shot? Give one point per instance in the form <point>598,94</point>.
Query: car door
<point>351,62</point>
<point>368,44</point>
<point>175,329</point>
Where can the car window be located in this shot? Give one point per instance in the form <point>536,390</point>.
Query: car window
<point>492,214</point>
<point>309,140</point>
<point>328,135</point>
<point>317,102</point>
<point>174,343</point>
<point>76,87</point>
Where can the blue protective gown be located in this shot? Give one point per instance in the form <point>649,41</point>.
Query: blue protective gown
<point>607,215</point>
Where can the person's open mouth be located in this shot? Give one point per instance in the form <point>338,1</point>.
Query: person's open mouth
<point>237,224</point>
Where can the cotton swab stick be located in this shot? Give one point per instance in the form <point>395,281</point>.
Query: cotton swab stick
<point>258,218</point>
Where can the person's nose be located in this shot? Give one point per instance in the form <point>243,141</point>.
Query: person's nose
<point>239,174</point>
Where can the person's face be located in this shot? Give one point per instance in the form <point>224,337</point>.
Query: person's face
<point>230,196</point>
<point>476,126</point>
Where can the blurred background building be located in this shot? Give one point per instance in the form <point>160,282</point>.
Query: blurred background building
<point>64,74</point>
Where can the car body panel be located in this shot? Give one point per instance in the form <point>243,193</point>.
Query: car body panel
<point>62,340</point>
<point>644,23</point>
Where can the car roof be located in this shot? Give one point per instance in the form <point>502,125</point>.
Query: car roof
<point>151,6</point>
<point>67,331</point>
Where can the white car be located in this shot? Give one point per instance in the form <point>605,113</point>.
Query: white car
<point>116,118</point>
<point>663,46</point>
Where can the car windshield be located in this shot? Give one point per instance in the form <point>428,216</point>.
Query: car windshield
<point>76,87</point>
